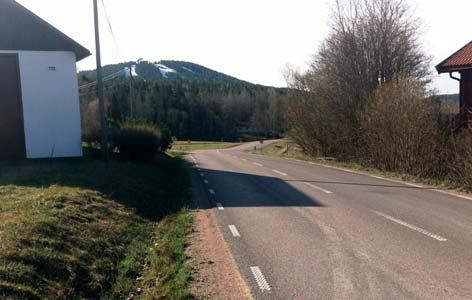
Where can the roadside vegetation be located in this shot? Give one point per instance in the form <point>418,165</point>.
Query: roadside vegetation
<point>365,99</point>
<point>185,146</point>
<point>291,150</point>
<point>88,230</point>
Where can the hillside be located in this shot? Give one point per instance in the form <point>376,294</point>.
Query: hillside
<point>450,97</point>
<point>164,69</point>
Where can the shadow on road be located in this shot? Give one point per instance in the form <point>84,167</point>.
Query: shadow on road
<point>399,186</point>
<point>247,190</point>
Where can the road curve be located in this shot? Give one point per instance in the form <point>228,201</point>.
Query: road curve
<point>304,231</point>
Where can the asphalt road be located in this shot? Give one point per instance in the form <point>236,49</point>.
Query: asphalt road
<point>304,231</point>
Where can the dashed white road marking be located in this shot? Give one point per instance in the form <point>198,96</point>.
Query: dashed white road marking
<point>278,172</point>
<point>318,188</point>
<point>211,191</point>
<point>202,174</point>
<point>258,164</point>
<point>205,181</point>
<point>260,279</point>
<point>412,227</point>
<point>234,231</point>
<point>243,159</point>
<point>220,206</point>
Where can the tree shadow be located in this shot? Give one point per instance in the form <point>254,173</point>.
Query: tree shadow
<point>152,190</point>
<point>234,189</point>
<point>398,186</point>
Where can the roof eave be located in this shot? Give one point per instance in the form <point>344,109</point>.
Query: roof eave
<point>442,69</point>
<point>80,51</point>
<point>82,54</point>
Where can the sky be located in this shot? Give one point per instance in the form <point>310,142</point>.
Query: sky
<point>254,40</point>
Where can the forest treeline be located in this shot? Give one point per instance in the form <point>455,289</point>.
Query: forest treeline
<point>366,97</point>
<point>190,109</point>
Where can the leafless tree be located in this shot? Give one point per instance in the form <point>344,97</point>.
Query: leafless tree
<point>371,42</point>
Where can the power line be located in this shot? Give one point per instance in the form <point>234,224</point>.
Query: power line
<point>111,30</point>
<point>107,78</point>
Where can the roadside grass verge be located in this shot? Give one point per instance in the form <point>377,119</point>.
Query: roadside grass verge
<point>83,229</point>
<point>279,150</point>
<point>184,147</point>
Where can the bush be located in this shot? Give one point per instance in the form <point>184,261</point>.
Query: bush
<point>461,164</point>
<point>137,141</point>
<point>166,138</point>
<point>400,130</point>
<point>91,137</point>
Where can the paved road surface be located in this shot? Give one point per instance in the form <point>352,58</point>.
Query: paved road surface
<point>304,231</point>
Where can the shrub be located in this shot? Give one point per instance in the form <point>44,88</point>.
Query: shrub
<point>400,130</point>
<point>137,141</point>
<point>461,164</point>
<point>166,138</point>
<point>91,137</point>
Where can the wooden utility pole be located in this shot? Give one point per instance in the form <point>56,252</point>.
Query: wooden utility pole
<point>131,92</point>
<point>101,96</point>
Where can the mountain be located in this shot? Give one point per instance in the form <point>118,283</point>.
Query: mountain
<point>450,97</point>
<point>164,69</point>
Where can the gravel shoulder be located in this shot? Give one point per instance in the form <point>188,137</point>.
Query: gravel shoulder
<point>215,274</point>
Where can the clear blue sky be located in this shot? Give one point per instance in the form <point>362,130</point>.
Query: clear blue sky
<point>251,39</point>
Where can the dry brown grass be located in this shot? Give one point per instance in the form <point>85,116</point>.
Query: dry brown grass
<point>83,229</point>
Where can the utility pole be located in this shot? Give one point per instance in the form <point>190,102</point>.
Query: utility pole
<point>131,92</point>
<point>101,96</point>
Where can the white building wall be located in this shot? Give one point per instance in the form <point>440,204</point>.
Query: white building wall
<point>51,108</point>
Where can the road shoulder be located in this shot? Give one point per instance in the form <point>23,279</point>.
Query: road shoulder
<point>215,273</point>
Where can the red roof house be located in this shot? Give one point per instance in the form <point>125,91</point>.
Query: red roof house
<point>461,61</point>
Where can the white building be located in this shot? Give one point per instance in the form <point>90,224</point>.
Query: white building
<point>39,99</point>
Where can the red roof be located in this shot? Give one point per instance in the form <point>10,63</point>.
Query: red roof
<point>461,60</point>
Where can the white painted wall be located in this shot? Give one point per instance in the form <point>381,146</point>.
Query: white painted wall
<point>51,105</point>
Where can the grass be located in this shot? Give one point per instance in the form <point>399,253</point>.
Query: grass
<point>182,146</point>
<point>279,150</point>
<point>85,229</point>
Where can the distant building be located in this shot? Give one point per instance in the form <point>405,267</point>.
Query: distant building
<point>461,62</point>
<point>39,107</point>
<point>247,128</point>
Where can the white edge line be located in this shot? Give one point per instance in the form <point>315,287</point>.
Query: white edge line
<point>234,231</point>
<point>454,194</point>
<point>412,227</point>
<point>260,279</point>
<point>278,172</point>
<point>220,206</point>
<point>318,188</point>
<point>449,193</point>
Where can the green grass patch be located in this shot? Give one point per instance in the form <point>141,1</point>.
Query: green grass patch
<point>182,146</point>
<point>167,260</point>
<point>86,229</point>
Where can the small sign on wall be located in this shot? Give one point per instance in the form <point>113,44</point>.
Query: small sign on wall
<point>52,68</point>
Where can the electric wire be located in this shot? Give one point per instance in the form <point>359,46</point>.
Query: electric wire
<point>107,78</point>
<point>111,30</point>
